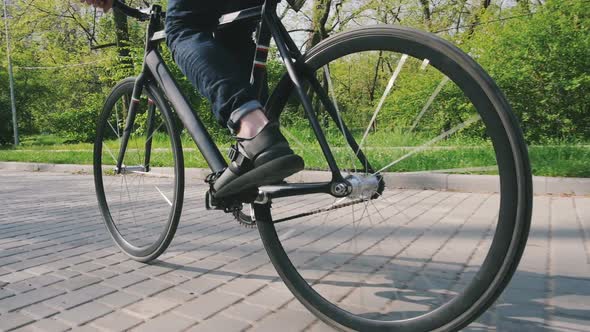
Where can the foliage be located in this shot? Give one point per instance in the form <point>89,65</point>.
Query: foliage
<point>540,61</point>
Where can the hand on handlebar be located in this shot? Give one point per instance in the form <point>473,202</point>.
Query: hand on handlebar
<point>105,5</point>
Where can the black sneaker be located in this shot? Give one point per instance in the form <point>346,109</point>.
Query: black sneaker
<point>261,160</point>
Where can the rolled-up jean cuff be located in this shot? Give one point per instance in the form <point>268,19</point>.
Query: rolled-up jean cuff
<point>240,112</point>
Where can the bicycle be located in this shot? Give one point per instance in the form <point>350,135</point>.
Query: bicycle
<point>458,277</point>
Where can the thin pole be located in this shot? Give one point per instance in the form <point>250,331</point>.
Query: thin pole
<point>10,78</point>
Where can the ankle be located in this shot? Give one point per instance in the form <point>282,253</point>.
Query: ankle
<point>251,124</point>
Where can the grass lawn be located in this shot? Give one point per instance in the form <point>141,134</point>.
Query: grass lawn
<point>564,160</point>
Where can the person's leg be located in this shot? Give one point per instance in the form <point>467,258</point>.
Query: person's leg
<point>238,41</point>
<point>219,71</point>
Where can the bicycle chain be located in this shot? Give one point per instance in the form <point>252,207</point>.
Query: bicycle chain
<point>317,211</point>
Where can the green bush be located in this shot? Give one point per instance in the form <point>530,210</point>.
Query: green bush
<point>75,125</point>
<point>541,62</point>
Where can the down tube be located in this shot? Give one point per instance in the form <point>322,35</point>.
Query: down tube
<point>185,112</point>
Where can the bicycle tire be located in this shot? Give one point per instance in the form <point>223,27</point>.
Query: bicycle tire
<point>151,251</point>
<point>516,188</point>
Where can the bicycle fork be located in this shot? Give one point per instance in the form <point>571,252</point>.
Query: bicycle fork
<point>130,121</point>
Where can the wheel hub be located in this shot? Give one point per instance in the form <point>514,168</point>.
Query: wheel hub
<point>363,186</point>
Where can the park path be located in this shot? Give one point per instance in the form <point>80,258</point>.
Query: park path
<point>59,269</point>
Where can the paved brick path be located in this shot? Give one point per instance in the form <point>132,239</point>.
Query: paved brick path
<point>59,269</point>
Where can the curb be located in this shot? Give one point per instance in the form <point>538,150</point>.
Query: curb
<point>452,182</point>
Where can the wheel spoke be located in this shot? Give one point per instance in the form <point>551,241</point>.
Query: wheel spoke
<point>438,89</point>
<point>113,129</point>
<point>155,130</point>
<point>390,85</point>
<point>458,170</point>
<point>435,140</point>
<point>110,152</point>
<point>163,196</point>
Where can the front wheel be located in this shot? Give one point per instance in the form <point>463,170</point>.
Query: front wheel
<point>435,247</point>
<point>140,203</point>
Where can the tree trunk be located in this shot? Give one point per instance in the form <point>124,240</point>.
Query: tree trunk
<point>477,15</point>
<point>122,35</point>
<point>320,14</point>
<point>426,14</point>
<point>525,4</point>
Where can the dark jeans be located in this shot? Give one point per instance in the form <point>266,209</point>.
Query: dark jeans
<point>218,63</point>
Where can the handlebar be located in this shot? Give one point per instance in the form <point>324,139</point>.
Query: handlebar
<point>131,12</point>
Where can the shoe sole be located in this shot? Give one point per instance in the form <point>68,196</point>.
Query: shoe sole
<point>271,172</point>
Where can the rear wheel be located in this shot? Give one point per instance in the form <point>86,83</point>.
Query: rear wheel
<point>141,204</point>
<point>435,247</point>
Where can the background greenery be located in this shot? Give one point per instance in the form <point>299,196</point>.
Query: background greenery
<point>537,51</point>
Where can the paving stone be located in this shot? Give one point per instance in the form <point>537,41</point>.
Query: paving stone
<point>270,298</point>
<point>66,274</point>
<point>13,320</point>
<point>320,326</point>
<point>168,322</point>
<point>125,280</point>
<point>276,321</point>
<point>39,311</point>
<point>243,286</point>
<point>84,313</point>
<point>32,297</point>
<point>16,277</point>
<point>220,323</point>
<point>150,307</point>
<point>49,325</point>
<point>119,299</point>
<point>176,295</point>
<point>201,285</point>
<point>116,321</point>
<point>148,287</point>
<point>217,276</point>
<point>246,311</point>
<point>206,305</point>
<point>35,282</point>
<point>77,282</point>
<point>79,296</point>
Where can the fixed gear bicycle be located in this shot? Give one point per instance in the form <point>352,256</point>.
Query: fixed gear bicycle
<point>357,242</point>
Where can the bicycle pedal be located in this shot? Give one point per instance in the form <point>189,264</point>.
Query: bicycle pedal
<point>211,203</point>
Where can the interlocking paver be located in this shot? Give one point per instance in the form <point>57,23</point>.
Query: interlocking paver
<point>247,312</point>
<point>168,322</point>
<point>39,311</point>
<point>206,305</point>
<point>117,321</point>
<point>84,313</point>
<point>77,282</point>
<point>13,320</point>
<point>149,307</point>
<point>125,280</point>
<point>276,321</point>
<point>60,270</point>
<point>119,299</point>
<point>79,296</point>
<point>32,297</point>
<point>148,287</point>
<point>220,323</point>
<point>49,325</point>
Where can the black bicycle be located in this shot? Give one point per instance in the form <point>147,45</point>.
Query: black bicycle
<point>415,207</point>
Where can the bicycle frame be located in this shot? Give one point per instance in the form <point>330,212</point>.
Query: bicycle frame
<point>270,26</point>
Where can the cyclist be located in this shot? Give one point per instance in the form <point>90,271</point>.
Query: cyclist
<point>218,64</point>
